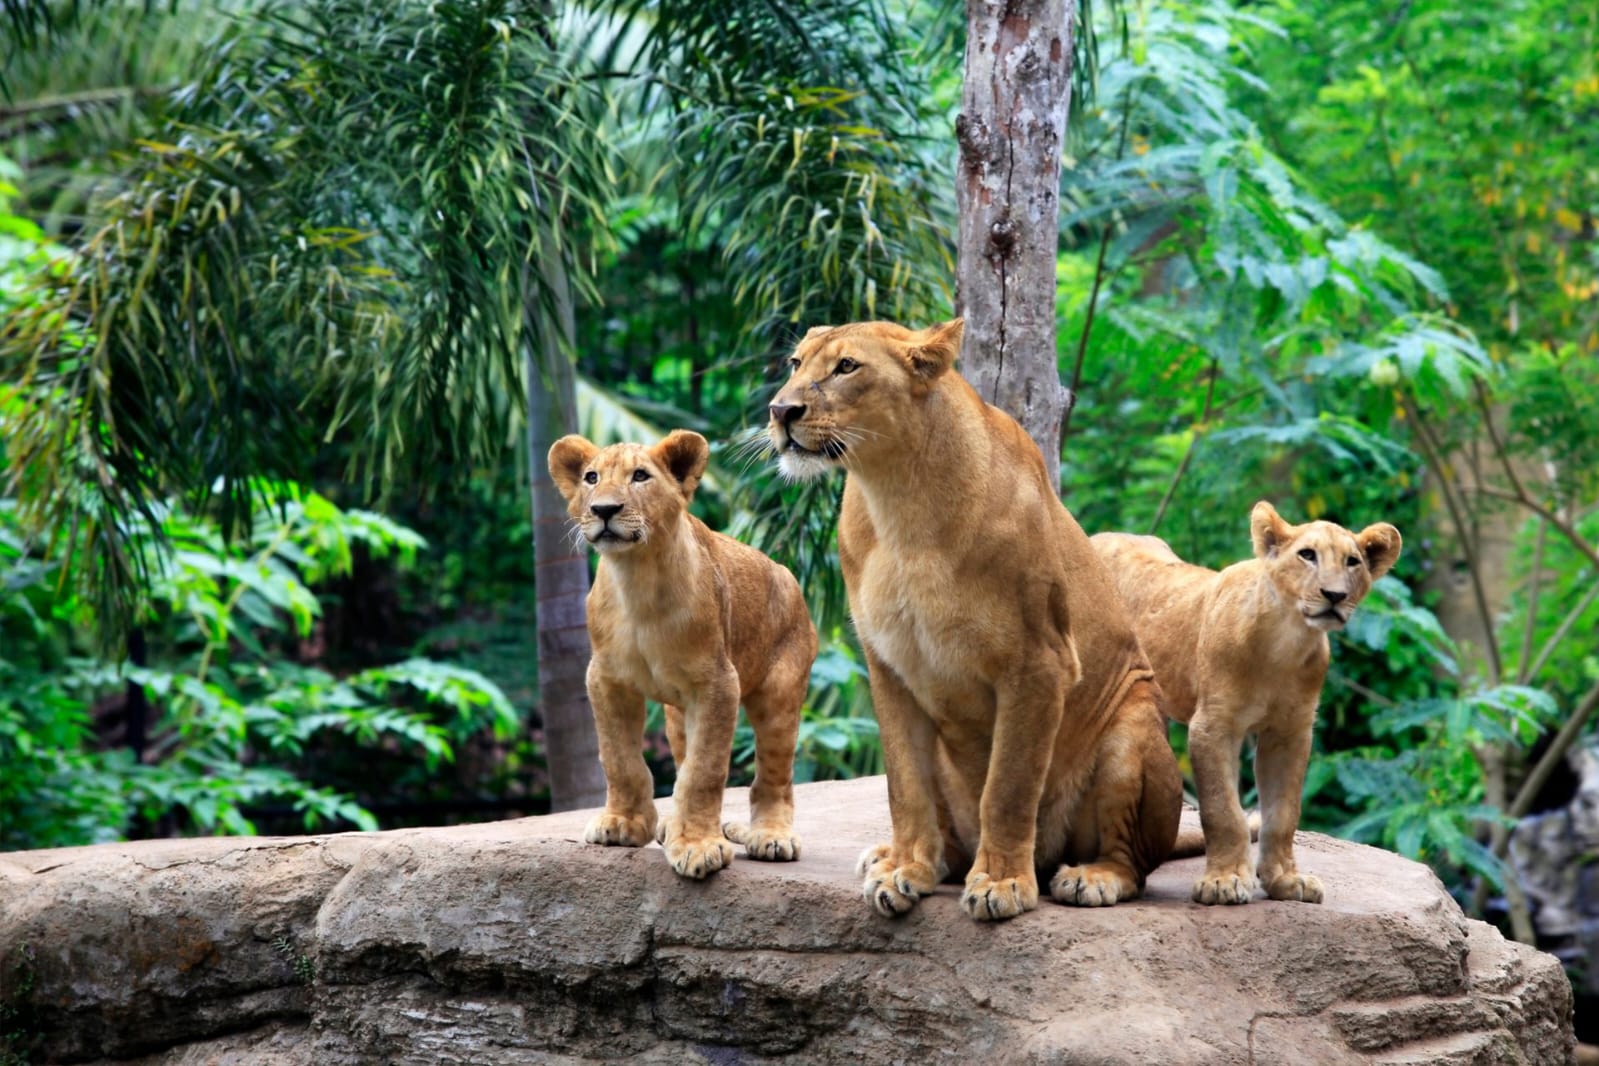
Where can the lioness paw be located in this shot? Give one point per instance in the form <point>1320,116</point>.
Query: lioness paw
<point>1228,886</point>
<point>1090,886</point>
<point>767,843</point>
<point>988,899</point>
<point>618,830</point>
<point>1301,888</point>
<point>893,890</point>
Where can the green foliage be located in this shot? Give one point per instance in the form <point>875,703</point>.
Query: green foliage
<point>234,713</point>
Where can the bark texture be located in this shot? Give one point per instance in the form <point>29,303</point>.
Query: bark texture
<point>1013,114</point>
<point>561,574</point>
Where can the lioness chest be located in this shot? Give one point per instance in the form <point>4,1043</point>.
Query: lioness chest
<point>916,616</point>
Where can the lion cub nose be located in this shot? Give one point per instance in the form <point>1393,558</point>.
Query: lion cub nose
<point>786,413</point>
<point>1334,596</point>
<point>605,511</point>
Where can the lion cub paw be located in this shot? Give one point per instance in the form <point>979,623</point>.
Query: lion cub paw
<point>767,843</point>
<point>1301,888</point>
<point>1090,886</point>
<point>619,830</point>
<point>893,890</point>
<point>988,899</point>
<point>1224,886</point>
<point>698,858</point>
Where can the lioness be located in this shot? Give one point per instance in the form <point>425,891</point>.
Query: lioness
<point>1017,713</point>
<point>1245,651</point>
<point>690,617</point>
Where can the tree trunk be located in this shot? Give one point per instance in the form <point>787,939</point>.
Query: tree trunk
<point>561,570</point>
<point>1013,115</point>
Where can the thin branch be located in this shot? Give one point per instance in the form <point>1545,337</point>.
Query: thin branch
<point>1554,754</point>
<point>1535,586</point>
<point>1099,278</point>
<point>1432,453</point>
<point>1578,541</point>
<point>1182,467</point>
<point>1561,630</point>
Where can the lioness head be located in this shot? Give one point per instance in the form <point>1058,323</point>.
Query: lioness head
<point>1321,567</point>
<point>853,392</point>
<point>618,496</point>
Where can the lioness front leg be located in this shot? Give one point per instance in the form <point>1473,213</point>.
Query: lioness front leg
<point>692,833</point>
<point>897,875</point>
<point>1280,760</point>
<point>1003,881</point>
<point>1213,745</point>
<point>629,816</point>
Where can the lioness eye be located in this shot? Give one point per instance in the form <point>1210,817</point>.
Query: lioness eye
<point>592,477</point>
<point>793,363</point>
<point>641,474</point>
<point>1308,554</point>
<point>845,366</point>
<point>1353,560</point>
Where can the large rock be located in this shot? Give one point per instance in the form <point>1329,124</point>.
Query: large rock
<point>514,942</point>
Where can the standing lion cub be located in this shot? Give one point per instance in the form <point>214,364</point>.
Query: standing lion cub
<point>690,617</point>
<point>1245,651</point>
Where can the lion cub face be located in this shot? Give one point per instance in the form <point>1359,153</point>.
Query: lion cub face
<point>619,496</point>
<point>853,391</point>
<point>1322,568</point>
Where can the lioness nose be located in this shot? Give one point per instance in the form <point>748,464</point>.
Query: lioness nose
<point>605,511</point>
<point>786,413</point>
<point>1334,596</point>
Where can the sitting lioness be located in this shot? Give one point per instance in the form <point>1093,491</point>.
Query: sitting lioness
<point>1018,715</point>
<point>690,617</point>
<point>1245,651</point>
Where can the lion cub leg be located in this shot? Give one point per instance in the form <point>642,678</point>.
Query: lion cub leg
<point>1280,760</point>
<point>774,713</point>
<point>629,815</point>
<point>1214,745</point>
<point>692,833</point>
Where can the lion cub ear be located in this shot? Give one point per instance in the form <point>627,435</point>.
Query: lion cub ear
<point>568,457</point>
<point>1380,545</point>
<point>684,454</point>
<point>936,348</point>
<point>1268,530</point>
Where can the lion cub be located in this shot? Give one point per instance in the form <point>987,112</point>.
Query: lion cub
<point>690,617</point>
<point>1245,651</point>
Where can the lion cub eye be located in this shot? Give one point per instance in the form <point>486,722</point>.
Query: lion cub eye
<point>846,366</point>
<point>592,477</point>
<point>641,474</point>
<point>1308,554</point>
<point>793,362</point>
<point>1353,560</point>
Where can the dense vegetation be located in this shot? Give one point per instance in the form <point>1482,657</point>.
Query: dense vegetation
<point>276,281</point>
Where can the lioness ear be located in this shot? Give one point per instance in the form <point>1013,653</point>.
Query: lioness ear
<point>1268,530</point>
<point>683,453</point>
<point>937,348</point>
<point>1380,545</point>
<point>568,457</point>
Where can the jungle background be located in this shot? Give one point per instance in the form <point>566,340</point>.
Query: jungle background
<point>291,292</point>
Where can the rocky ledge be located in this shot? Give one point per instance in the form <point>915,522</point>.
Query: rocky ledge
<point>514,942</point>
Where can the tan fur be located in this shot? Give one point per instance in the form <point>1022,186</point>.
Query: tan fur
<point>690,617</point>
<point>1017,713</point>
<point>1245,651</point>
